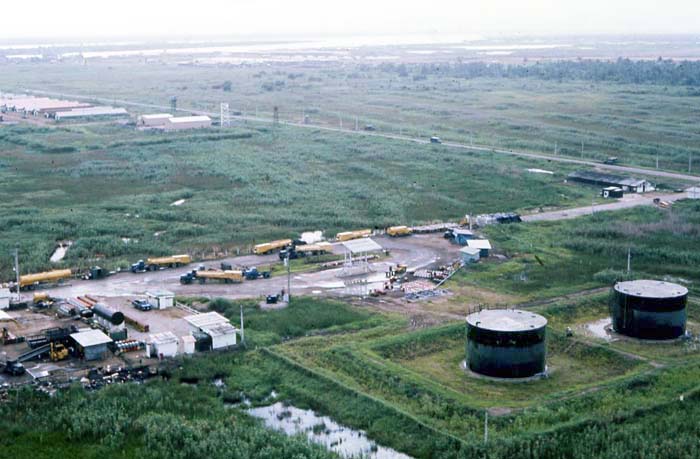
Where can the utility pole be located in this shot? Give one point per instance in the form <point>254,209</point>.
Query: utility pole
<point>629,260</point>
<point>289,280</point>
<point>242,327</point>
<point>582,149</point>
<point>16,254</point>
<point>555,149</point>
<point>690,162</point>
<point>357,123</point>
<point>486,426</point>
<point>657,160</point>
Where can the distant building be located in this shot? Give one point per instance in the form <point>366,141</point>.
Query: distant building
<point>612,192</point>
<point>91,112</point>
<point>163,345</point>
<point>461,236</point>
<point>482,245</point>
<point>217,328</point>
<point>5,298</point>
<point>693,192</point>
<point>469,254</point>
<point>629,184</point>
<point>187,122</point>
<point>155,119</point>
<point>161,299</point>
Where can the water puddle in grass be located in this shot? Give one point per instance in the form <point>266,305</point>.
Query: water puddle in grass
<point>348,443</point>
<point>60,251</point>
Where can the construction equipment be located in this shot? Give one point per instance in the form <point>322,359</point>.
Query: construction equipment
<point>227,277</point>
<point>395,231</point>
<point>29,281</point>
<point>58,352</point>
<point>268,247</point>
<point>349,235</point>
<point>154,264</point>
<point>300,251</point>
<point>253,274</point>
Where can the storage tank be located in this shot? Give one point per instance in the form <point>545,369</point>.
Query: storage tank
<point>114,317</point>
<point>506,343</point>
<point>649,309</point>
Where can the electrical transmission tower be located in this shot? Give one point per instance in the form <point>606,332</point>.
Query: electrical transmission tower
<point>225,120</point>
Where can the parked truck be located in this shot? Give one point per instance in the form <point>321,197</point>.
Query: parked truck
<point>267,247</point>
<point>253,273</point>
<point>154,264</point>
<point>203,276</point>
<point>395,231</point>
<point>300,251</point>
<point>349,235</point>
<point>29,281</point>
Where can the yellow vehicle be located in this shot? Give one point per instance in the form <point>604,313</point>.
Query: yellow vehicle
<point>267,247</point>
<point>58,352</point>
<point>395,231</point>
<point>227,277</point>
<point>29,280</point>
<point>349,235</point>
<point>315,249</point>
<point>172,261</point>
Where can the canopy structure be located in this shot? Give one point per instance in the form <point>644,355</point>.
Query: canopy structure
<point>356,256</point>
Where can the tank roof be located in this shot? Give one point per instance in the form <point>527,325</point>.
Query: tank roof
<point>651,289</point>
<point>506,320</point>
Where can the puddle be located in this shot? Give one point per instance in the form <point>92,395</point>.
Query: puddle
<point>179,202</point>
<point>348,443</point>
<point>598,328</point>
<point>60,251</point>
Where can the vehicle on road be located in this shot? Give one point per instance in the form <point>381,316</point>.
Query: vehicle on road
<point>252,273</point>
<point>435,139</point>
<point>142,305</point>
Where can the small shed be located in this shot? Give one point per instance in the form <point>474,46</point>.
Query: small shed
<point>5,296</point>
<point>154,119</point>
<point>188,343</point>
<point>92,344</point>
<point>693,192</point>
<point>469,254</point>
<point>483,245</point>
<point>612,192</point>
<point>461,236</point>
<point>163,345</point>
<point>161,299</point>
<point>214,325</point>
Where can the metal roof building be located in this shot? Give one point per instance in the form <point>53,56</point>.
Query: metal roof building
<point>218,327</point>
<point>693,192</point>
<point>469,254</point>
<point>89,112</point>
<point>154,119</point>
<point>632,184</point>
<point>91,344</point>
<point>163,344</point>
<point>187,122</point>
<point>483,245</point>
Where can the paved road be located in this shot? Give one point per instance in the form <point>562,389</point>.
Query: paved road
<point>477,148</point>
<point>628,201</point>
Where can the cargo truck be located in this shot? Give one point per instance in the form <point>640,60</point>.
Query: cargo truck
<point>202,276</point>
<point>154,264</point>
<point>301,251</point>
<point>395,231</point>
<point>349,235</point>
<point>267,247</point>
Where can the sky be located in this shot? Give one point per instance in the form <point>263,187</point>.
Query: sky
<point>87,19</point>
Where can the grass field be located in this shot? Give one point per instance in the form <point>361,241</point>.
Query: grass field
<point>240,187</point>
<point>636,122</point>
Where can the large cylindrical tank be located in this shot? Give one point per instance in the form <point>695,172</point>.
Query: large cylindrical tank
<point>506,343</point>
<point>649,309</point>
<point>114,317</point>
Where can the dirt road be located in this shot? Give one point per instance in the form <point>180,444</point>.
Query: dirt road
<point>628,201</point>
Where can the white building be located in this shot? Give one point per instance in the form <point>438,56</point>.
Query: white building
<point>216,326</point>
<point>5,298</point>
<point>161,299</point>
<point>163,345</point>
<point>91,112</point>
<point>188,344</point>
<point>155,119</point>
<point>469,254</point>
<point>693,192</point>
<point>187,122</point>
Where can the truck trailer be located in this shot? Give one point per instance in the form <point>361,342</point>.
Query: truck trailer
<point>267,247</point>
<point>154,264</point>
<point>203,276</point>
<point>349,235</point>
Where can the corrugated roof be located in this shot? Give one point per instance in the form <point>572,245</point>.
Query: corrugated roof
<point>156,116</point>
<point>479,243</point>
<point>91,338</point>
<point>208,319</point>
<point>158,293</point>
<point>363,245</point>
<point>188,119</point>
<point>91,111</point>
<point>163,338</point>
<point>219,330</point>
<point>470,250</point>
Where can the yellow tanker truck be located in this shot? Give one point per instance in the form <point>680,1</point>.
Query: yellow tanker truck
<point>395,231</point>
<point>267,247</point>
<point>227,277</point>
<point>349,235</point>
<point>31,280</point>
